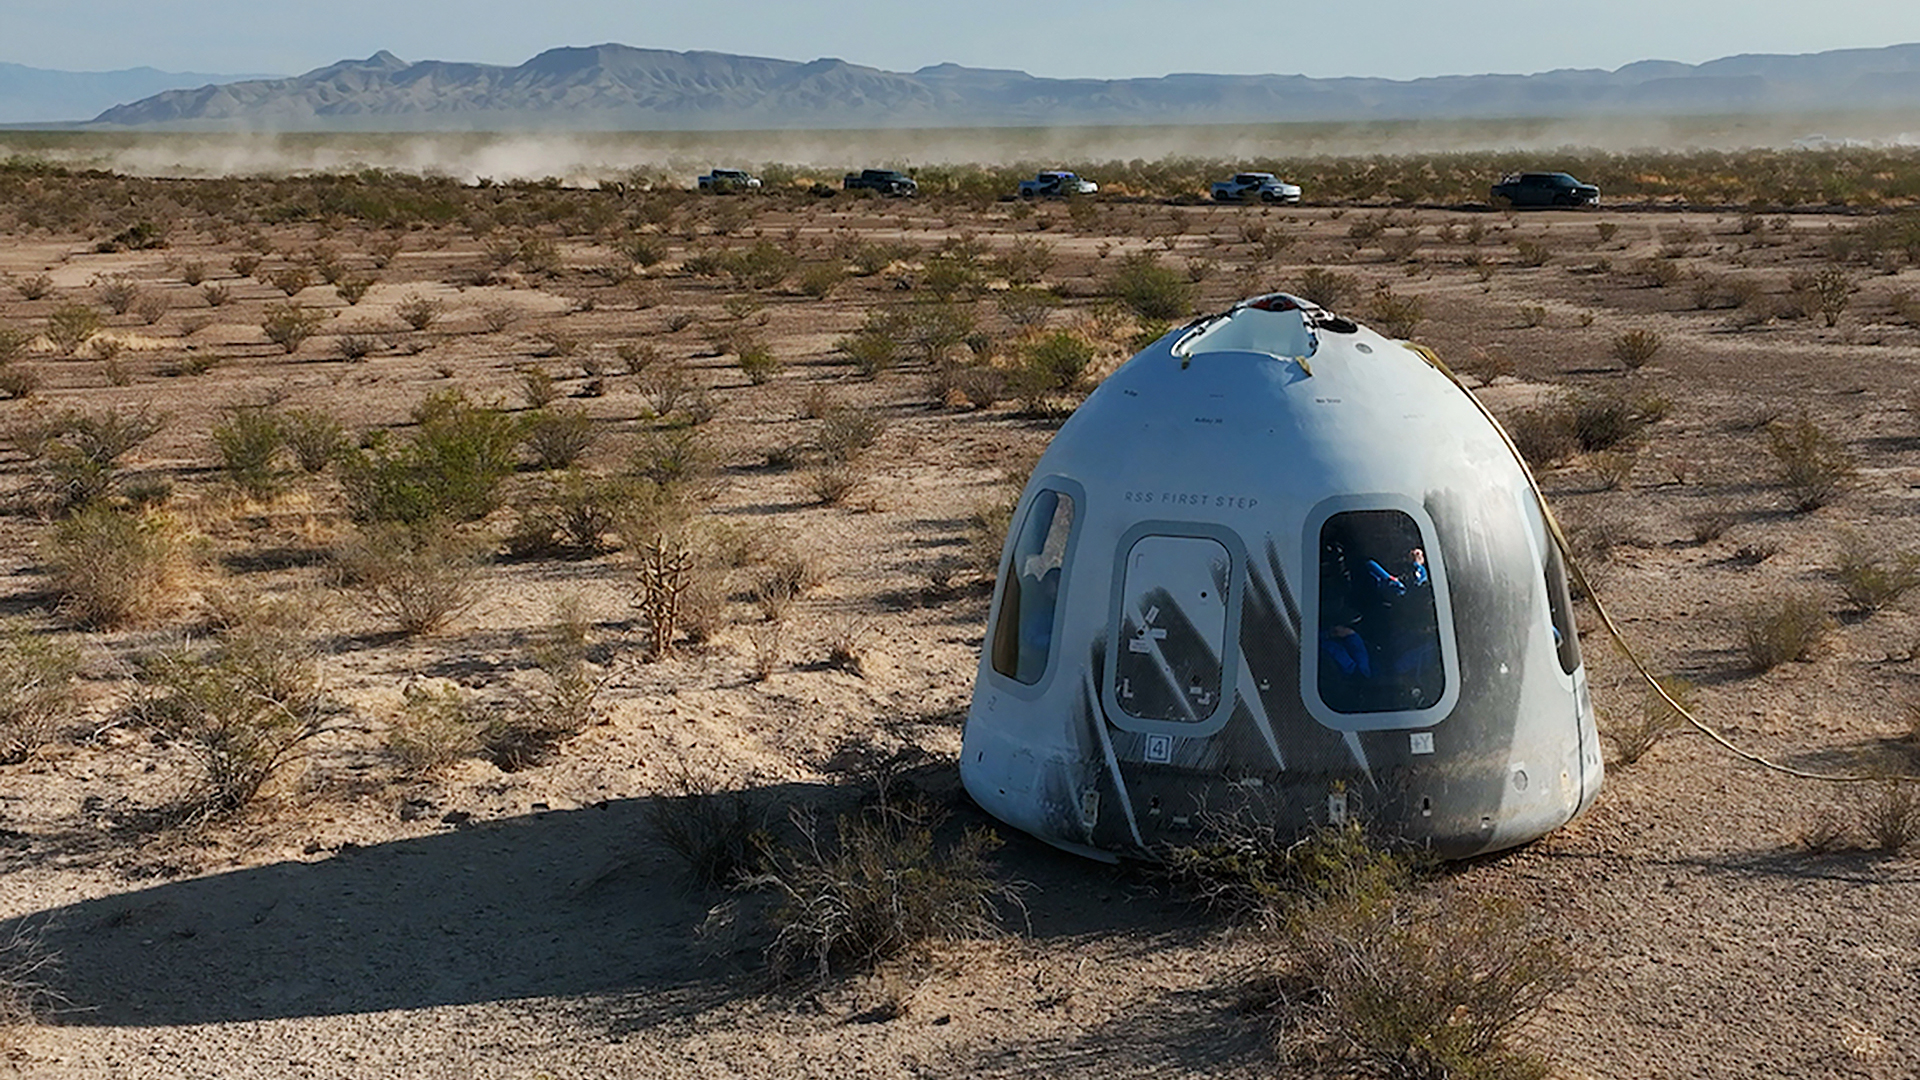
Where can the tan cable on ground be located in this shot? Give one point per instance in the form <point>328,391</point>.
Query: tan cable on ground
<point>1613,631</point>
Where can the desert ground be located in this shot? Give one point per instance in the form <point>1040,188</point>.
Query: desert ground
<point>376,910</point>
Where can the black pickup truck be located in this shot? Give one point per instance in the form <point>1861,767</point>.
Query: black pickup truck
<point>884,181</point>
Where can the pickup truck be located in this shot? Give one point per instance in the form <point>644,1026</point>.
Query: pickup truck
<point>720,180</point>
<point>1264,186</point>
<point>884,181</point>
<point>1543,189</point>
<point>1056,182</point>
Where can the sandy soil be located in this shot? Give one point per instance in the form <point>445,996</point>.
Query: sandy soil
<point>516,924</point>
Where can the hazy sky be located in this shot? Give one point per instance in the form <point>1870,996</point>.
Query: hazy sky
<point>1086,38</point>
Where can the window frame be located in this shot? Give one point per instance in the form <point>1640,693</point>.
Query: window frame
<point>1397,719</point>
<point>1230,643</point>
<point>1058,485</point>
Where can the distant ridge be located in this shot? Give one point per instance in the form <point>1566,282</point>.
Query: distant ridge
<point>30,95</point>
<point>618,87</point>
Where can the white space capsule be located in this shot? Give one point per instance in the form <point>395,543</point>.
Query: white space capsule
<point>1280,565</point>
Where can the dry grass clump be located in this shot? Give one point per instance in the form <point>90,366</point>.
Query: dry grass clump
<point>720,833</point>
<point>115,568</point>
<point>1783,629</point>
<point>558,438</point>
<point>25,962</point>
<point>567,702</point>
<point>1814,465</point>
<point>1872,579</point>
<point>1652,724</point>
<point>880,885</point>
<point>1367,967</point>
<point>437,725</point>
<point>1635,347</point>
<point>78,454</point>
<point>36,691</point>
<point>417,579</point>
<point>245,704</point>
<point>1883,816</point>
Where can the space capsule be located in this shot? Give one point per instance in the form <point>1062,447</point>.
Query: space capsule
<point>1278,564</point>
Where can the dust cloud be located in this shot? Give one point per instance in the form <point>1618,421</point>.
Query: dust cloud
<point>590,159</point>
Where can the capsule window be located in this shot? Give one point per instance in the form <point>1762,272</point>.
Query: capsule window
<point>1024,627</point>
<point>1566,640</point>
<point>1379,645</point>
<point>1173,629</point>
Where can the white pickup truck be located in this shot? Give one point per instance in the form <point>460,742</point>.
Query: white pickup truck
<point>1056,182</point>
<point>729,180</point>
<point>1264,186</point>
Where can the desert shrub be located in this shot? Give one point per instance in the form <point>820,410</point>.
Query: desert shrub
<point>244,705</point>
<point>558,438</point>
<point>354,348</point>
<point>1394,315</point>
<point>1660,271</point>
<point>1871,579</point>
<point>13,343</point>
<point>1324,287</point>
<point>833,482</point>
<point>575,516</point>
<point>878,887</point>
<point>151,308</point>
<point>1711,523</point>
<point>759,363</point>
<point>353,289</point>
<point>244,264</point>
<point>846,433</point>
<point>1149,289</point>
<point>1544,436</point>
<point>1890,816</point>
<point>1654,721</point>
<point>820,279</point>
<point>1635,347</point>
<point>1026,261</point>
<point>418,312</point>
<point>763,266</point>
<point>567,701</point>
<point>248,440</point>
<point>1828,290</point>
<point>418,579</point>
<point>36,691</point>
<point>71,326</point>
<point>1782,629</point>
<point>216,294</point>
<point>437,725</point>
<point>25,963</point>
<point>291,280</point>
<point>1364,964</point>
<point>288,325</point>
<point>719,833</point>
<point>669,459</point>
<point>17,382</point>
<point>1532,252</point>
<point>537,387</point>
<point>1055,363</point>
<point>1422,985</point>
<point>35,286</point>
<point>987,532</point>
<point>78,453</point>
<point>450,469</point>
<point>1025,307</point>
<point>643,250</point>
<point>873,348</point>
<point>1614,468</point>
<point>1604,421</point>
<point>1814,466</point>
<point>315,438</point>
<point>934,328</point>
<point>118,293</point>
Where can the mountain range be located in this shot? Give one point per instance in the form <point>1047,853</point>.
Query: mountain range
<point>31,95</point>
<point>618,87</point>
